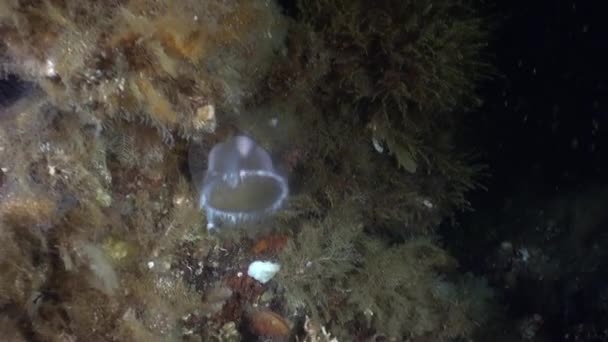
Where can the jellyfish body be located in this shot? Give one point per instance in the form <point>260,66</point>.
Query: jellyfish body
<point>240,183</point>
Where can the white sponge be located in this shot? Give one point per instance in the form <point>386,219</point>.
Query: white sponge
<point>263,271</point>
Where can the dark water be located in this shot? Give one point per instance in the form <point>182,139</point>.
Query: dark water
<point>543,132</point>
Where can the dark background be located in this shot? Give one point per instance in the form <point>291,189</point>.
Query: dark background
<point>543,132</point>
<point>545,117</point>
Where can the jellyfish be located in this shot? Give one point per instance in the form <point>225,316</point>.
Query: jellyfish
<point>239,184</point>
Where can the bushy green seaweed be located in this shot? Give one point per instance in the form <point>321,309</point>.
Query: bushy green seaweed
<point>318,261</point>
<point>416,295</point>
<point>408,69</point>
<point>349,279</point>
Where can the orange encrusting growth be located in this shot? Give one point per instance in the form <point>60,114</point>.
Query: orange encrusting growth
<point>270,245</point>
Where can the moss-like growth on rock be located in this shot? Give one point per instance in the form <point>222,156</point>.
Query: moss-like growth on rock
<point>104,236</point>
<point>160,63</point>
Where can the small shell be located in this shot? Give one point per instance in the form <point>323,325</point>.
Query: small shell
<point>268,323</point>
<point>377,145</point>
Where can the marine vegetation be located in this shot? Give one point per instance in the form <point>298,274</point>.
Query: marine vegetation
<point>359,106</point>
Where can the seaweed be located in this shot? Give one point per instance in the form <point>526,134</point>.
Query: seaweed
<point>157,63</point>
<point>317,262</point>
<point>358,284</point>
<point>405,71</point>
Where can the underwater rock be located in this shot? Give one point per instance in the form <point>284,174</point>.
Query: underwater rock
<point>240,183</point>
<point>161,63</point>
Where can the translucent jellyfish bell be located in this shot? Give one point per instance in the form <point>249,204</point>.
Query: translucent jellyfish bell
<point>240,182</point>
